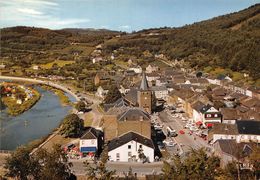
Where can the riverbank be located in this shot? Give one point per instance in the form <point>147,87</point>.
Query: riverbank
<point>64,100</point>
<point>16,106</point>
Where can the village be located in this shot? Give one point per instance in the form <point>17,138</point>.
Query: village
<point>161,111</point>
<point>164,112</point>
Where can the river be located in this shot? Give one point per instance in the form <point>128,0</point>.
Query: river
<point>33,124</point>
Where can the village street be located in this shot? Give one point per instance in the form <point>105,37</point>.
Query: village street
<point>186,141</point>
<point>121,167</point>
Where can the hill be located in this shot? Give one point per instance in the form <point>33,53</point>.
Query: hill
<point>29,45</point>
<point>229,41</point>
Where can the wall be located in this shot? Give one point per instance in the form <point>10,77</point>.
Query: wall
<point>144,99</point>
<point>161,94</point>
<point>123,150</point>
<point>248,138</point>
<point>88,143</point>
<point>222,136</point>
<point>197,116</point>
<point>229,121</point>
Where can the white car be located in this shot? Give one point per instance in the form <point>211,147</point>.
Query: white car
<point>158,126</point>
<point>169,143</point>
<point>193,128</point>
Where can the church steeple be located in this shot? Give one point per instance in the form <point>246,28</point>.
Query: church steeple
<point>144,95</point>
<point>144,83</point>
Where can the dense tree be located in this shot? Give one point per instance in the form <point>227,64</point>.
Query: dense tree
<point>254,160</point>
<point>80,106</point>
<point>48,160</point>
<point>113,94</point>
<point>19,164</point>
<point>197,165</point>
<point>72,126</point>
<point>41,165</point>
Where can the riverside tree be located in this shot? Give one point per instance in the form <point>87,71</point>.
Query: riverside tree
<point>72,126</point>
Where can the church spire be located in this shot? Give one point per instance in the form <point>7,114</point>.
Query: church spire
<point>144,83</point>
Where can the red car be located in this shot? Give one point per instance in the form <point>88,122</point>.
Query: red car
<point>181,132</point>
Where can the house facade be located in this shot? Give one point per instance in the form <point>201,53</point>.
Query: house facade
<point>101,92</point>
<point>90,141</point>
<point>242,131</point>
<point>160,92</point>
<point>131,147</point>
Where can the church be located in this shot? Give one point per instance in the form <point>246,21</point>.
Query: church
<point>141,97</point>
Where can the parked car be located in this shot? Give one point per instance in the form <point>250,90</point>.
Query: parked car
<point>160,144</point>
<point>158,126</point>
<point>169,143</point>
<point>193,128</point>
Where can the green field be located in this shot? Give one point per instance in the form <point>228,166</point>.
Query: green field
<point>60,63</point>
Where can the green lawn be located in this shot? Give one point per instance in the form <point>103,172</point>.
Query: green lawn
<point>88,119</point>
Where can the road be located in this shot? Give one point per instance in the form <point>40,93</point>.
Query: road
<point>50,83</point>
<point>121,167</point>
<point>186,141</point>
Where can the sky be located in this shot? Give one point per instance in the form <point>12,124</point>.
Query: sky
<point>123,15</point>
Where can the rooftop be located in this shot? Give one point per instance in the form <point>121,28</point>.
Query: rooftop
<point>130,136</point>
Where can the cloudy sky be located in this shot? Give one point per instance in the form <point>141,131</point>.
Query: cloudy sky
<point>125,15</point>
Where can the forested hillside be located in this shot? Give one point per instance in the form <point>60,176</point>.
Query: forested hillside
<point>229,41</point>
<point>27,45</point>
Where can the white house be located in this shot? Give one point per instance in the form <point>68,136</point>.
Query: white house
<point>90,141</point>
<point>136,69</point>
<point>152,76</point>
<point>242,131</point>
<point>205,113</point>
<point>35,67</point>
<point>124,89</point>
<point>151,68</point>
<point>101,92</point>
<point>131,147</point>
<point>97,59</point>
<point>248,130</point>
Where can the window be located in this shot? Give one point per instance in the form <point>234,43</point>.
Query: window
<point>215,115</point>
<point>129,154</point>
<point>140,146</point>
<point>117,156</point>
<point>129,146</point>
<point>208,115</point>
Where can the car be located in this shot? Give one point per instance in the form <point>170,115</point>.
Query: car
<point>158,126</point>
<point>160,144</point>
<point>187,126</point>
<point>169,143</point>
<point>193,128</point>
